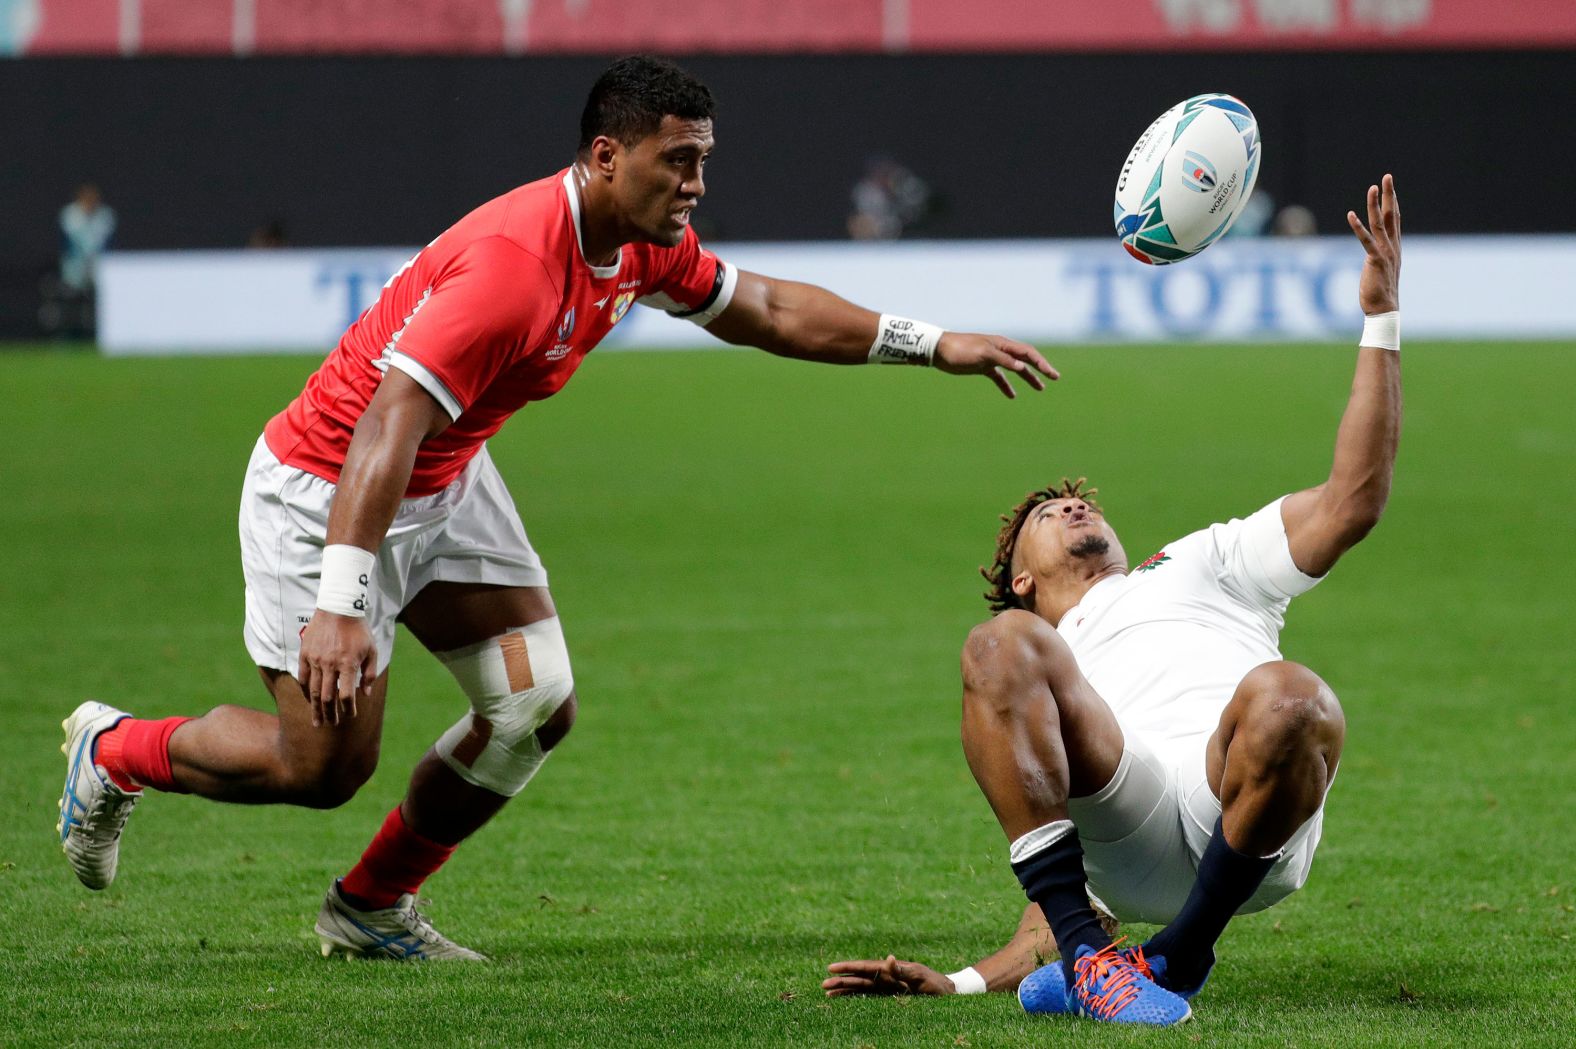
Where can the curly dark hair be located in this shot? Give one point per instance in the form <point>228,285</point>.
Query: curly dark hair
<point>999,574</point>
<point>629,100</point>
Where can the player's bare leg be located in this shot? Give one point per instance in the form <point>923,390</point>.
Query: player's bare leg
<point>1270,762</point>
<point>1273,756</point>
<point>441,808</point>
<point>232,753</point>
<point>1035,734</point>
<point>243,755</point>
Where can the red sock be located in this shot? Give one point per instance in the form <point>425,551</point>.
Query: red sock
<point>136,753</point>
<point>397,862</point>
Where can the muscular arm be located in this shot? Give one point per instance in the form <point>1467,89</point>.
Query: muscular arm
<point>1031,946</point>
<point>338,657</point>
<point>379,461</point>
<point>810,323</point>
<point>1324,522</point>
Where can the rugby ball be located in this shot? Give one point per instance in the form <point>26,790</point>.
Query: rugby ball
<point>1186,180</point>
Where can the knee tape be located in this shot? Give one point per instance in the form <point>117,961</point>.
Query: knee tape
<point>515,683</point>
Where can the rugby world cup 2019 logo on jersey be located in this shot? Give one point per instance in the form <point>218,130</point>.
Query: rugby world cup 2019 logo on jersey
<point>621,305</point>
<point>1197,173</point>
<point>566,328</point>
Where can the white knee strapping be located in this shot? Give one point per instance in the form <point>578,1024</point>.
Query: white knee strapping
<point>515,683</point>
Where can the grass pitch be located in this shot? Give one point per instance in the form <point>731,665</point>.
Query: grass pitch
<point>765,570</point>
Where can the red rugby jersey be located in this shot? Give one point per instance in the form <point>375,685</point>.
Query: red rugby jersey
<point>497,312</point>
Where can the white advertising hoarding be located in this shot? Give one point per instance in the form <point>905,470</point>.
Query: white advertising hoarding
<point>1038,290</point>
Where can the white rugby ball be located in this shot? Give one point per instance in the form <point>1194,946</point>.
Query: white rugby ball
<point>1186,180</point>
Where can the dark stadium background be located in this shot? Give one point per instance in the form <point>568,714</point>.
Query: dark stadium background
<point>198,151</point>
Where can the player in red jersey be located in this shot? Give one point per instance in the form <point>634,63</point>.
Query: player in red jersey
<point>372,497</point>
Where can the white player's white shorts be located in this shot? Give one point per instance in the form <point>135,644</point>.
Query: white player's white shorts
<point>1144,833</point>
<point>468,533</point>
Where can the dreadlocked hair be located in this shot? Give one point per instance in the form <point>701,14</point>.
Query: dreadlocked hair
<point>999,574</point>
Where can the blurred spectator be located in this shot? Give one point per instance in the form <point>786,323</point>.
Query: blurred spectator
<point>888,200</point>
<point>86,226</point>
<point>270,234</point>
<point>1294,220</point>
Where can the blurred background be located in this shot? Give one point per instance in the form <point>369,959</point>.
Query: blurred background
<point>295,126</point>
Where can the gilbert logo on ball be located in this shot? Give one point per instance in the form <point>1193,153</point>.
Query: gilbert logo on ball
<point>1187,178</point>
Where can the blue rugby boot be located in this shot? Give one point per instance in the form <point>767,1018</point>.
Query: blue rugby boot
<point>1044,990</point>
<point>1108,986</point>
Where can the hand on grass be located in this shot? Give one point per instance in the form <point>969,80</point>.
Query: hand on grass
<point>888,976</point>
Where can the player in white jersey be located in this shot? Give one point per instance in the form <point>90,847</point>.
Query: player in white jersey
<point>1140,729</point>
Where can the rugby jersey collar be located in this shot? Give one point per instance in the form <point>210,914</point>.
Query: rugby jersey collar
<point>572,192</point>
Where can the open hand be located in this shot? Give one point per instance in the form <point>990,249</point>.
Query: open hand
<point>962,354</point>
<point>888,976</point>
<point>1379,288</point>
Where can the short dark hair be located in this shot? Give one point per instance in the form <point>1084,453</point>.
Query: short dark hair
<point>999,574</point>
<point>629,100</point>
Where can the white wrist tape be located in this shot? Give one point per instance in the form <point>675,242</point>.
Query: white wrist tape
<point>1382,330</point>
<point>347,573</point>
<point>968,981</point>
<point>900,340</point>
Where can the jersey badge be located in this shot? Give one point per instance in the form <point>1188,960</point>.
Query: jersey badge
<point>566,326</point>
<point>1155,561</point>
<point>621,305</point>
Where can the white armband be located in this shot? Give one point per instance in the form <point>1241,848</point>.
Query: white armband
<point>1383,331</point>
<point>900,340</point>
<point>346,575</point>
<point>968,981</point>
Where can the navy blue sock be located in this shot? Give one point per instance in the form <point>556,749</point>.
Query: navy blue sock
<point>1054,878</point>
<point>1226,880</point>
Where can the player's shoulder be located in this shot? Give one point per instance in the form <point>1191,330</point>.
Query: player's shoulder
<point>533,218</point>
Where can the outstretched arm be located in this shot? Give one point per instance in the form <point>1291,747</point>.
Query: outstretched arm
<point>1323,523</point>
<point>1031,946</point>
<point>812,324</point>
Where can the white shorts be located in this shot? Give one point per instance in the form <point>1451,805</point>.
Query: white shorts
<point>467,533</point>
<point>1144,833</point>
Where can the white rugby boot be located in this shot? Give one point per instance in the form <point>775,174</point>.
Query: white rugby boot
<point>399,932</point>
<point>93,809</point>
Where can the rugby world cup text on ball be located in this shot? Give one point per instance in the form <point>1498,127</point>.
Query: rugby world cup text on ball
<point>1223,192</point>
<point>1236,288</point>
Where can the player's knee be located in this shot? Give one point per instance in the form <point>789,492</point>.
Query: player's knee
<point>1289,707</point>
<point>1008,664</point>
<point>555,728</point>
<point>330,783</point>
<point>522,704</point>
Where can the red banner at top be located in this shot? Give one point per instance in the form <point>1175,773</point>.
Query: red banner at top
<point>144,27</point>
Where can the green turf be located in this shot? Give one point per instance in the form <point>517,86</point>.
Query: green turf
<point>765,570</point>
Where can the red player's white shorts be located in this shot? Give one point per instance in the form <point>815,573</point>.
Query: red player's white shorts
<point>468,533</point>
<point>1145,831</point>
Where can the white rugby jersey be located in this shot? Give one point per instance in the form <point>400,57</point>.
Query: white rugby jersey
<point>1167,644</point>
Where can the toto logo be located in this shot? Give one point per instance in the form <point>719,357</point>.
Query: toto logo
<point>1243,292</point>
